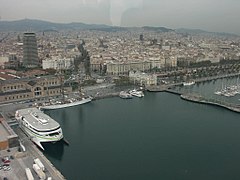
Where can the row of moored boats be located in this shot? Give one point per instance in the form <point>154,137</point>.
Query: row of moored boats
<point>229,91</point>
<point>130,94</point>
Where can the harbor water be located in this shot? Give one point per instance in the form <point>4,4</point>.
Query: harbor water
<point>159,136</point>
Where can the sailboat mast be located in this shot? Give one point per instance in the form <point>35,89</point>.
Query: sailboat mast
<point>79,83</point>
<point>61,81</point>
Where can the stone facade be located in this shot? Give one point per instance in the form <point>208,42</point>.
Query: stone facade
<point>35,88</point>
<point>143,78</point>
<point>118,68</point>
<point>58,63</point>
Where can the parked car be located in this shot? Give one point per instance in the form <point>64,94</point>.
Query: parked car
<point>7,168</point>
<point>6,159</point>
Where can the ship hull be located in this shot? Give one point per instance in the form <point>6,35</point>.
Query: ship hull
<point>188,83</point>
<point>59,106</point>
<point>38,139</point>
<point>136,93</point>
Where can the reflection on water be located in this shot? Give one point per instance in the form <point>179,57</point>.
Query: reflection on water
<point>55,150</point>
<point>159,136</point>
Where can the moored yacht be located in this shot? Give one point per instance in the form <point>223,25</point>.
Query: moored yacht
<point>218,92</point>
<point>125,95</point>
<point>189,83</point>
<point>39,126</point>
<point>229,91</point>
<point>136,93</point>
<point>66,103</point>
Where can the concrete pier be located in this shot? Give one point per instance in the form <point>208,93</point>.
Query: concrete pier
<point>25,159</point>
<point>203,100</point>
<point>22,154</point>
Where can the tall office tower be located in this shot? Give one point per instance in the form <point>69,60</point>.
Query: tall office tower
<point>30,53</point>
<point>141,37</point>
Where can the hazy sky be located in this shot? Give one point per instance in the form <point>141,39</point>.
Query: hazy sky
<point>212,15</point>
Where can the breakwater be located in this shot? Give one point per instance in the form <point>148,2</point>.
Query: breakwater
<point>203,100</point>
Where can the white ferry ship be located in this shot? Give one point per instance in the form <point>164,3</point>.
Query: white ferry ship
<point>39,126</point>
<point>65,104</point>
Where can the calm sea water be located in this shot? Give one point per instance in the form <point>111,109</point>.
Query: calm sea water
<point>157,137</point>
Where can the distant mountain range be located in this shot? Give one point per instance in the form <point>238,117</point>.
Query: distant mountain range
<point>200,31</point>
<point>157,29</point>
<point>39,25</point>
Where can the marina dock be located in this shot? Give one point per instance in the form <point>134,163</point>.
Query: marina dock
<point>203,100</point>
<point>200,99</point>
<point>193,97</point>
<point>166,87</point>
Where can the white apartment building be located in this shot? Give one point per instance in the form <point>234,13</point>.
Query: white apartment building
<point>157,62</point>
<point>143,78</point>
<point>170,61</point>
<point>121,68</point>
<point>58,63</point>
<point>3,60</point>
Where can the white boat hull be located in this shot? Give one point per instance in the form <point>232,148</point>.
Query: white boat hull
<point>188,83</point>
<point>136,93</point>
<point>125,95</point>
<point>59,106</point>
<point>38,126</point>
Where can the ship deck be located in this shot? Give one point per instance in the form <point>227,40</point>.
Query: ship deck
<point>38,119</point>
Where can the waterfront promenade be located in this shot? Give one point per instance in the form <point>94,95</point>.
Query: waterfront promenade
<point>164,87</point>
<point>193,97</point>
<point>190,96</point>
<point>215,102</point>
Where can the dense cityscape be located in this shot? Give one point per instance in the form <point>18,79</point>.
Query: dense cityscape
<point>118,53</point>
<point>55,69</point>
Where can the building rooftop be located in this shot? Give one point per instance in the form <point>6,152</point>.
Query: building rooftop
<point>14,92</point>
<point>5,130</point>
<point>14,80</point>
<point>5,76</point>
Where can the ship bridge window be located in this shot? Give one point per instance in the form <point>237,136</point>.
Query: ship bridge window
<point>54,134</point>
<point>46,131</point>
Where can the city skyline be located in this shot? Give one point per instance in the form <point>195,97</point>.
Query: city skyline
<point>217,16</point>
